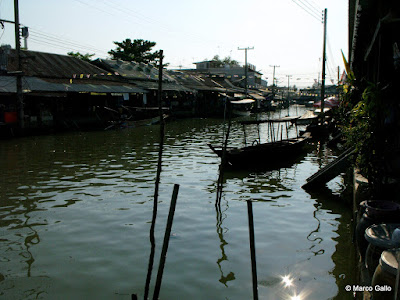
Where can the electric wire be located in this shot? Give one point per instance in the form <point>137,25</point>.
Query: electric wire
<point>310,7</point>
<point>56,40</point>
<point>308,11</point>
<point>53,44</point>
<point>125,14</point>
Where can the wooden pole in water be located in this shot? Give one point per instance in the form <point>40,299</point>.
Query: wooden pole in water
<point>287,131</point>
<point>223,158</point>
<point>252,249</point>
<point>155,202</point>
<point>323,70</point>
<point>20,96</point>
<point>272,130</point>
<point>277,132</point>
<point>159,98</point>
<point>166,242</point>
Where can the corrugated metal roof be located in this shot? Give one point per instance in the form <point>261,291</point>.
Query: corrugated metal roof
<point>151,85</point>
<point>142,75</point>
<point>40,64</point>
<point>132,70</point>
<point>33,84</point>
<point>197,82</point>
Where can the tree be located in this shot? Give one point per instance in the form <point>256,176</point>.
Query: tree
<point>219,63</point>
<point>137,50</point>
<point>86,57</point>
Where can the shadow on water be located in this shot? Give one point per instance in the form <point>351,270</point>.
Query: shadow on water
<point>344,257</point>
<point>20,245</point>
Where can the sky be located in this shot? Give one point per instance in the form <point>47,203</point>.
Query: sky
<point>284,33</point>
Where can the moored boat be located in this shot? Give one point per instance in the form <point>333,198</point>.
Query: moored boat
<point>271,155</point>
<point>242,107</point>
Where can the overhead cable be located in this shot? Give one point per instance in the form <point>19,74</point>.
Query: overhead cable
<point>308,11</point>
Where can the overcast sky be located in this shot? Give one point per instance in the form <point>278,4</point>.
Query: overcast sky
<point>286,33</point>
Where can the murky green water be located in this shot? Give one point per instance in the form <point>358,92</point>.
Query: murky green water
<point>76,211</point>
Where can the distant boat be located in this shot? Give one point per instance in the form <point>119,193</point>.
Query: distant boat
<point>135,117</point>
<point>242,107</point>
<point>144,122</point>
<point>272,154</point>
<point>307,118</point>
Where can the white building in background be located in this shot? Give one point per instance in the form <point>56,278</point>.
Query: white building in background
<point>235,73</point>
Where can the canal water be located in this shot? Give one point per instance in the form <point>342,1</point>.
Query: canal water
<point>76,209</point>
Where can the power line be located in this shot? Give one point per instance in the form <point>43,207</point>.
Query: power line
<point>311,13</point>
<point>311,7</point>
<point>55,44</point>
<point>125,13</point>
<point>58,40</point>
<point>315,5</point>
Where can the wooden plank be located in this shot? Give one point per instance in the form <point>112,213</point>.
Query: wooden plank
<point>330,171</point>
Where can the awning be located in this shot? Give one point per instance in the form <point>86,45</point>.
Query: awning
<point>166,86</point>
<point>257,96</point>
<point>244,101</point>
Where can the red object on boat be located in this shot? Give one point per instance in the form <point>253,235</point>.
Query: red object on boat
<point>10,117</point>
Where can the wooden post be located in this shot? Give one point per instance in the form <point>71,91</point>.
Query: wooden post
<point>155,201</point>
<point>20,99</point>
<point>323,70</point>
<point>166,242</point>
<point>252,249</point>
<point>287,131</point>
<point>160,75</point>
<point>223,158</point>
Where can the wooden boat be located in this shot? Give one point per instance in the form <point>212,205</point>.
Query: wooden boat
<point>130,123</point>
<point>144,122</point>
<point>242,107</point>
<point>271,155</point>
<point>307,118</point>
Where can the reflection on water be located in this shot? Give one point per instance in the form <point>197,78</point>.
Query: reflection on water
<point>75,212</point>
<point>221,215</point>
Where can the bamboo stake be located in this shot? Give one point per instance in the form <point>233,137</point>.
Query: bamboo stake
<point>155,202</point>
<point>223,159</point>
<point>166,242</point>
<point>287,131</point>
<point>252,249</point>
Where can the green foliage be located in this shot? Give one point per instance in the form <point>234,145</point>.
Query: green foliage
<point>86,57</point>
<point>137,50</point>
<point>361,119</point>
<point>219,63</point>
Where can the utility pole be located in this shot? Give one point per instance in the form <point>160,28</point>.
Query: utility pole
<point>323,68</point>
<point>273,80</point>
<point>245,66</point>
<point>20,100</point>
